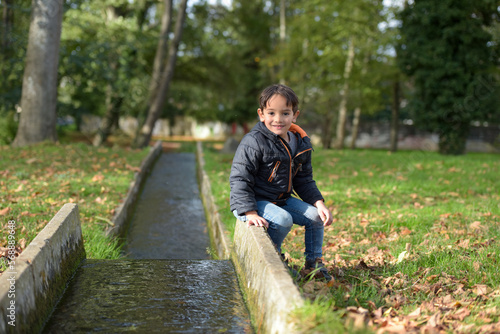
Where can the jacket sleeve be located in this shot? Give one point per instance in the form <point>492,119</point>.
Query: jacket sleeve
<point>242,178</point>
<point>304,184</point>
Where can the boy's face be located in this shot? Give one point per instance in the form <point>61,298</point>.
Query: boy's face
<point>277,116</point>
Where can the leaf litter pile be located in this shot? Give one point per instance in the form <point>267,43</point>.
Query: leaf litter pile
<point>36,181</point>
<point>414,246</point>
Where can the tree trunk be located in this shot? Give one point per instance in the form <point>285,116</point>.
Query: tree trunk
<point>158,99</point>
<point>395,117</point>
<point>282,39</point>
<point>111,118</point>
<point>355,127</point>
<point>357,111</point>
<point>326,139</point>
<point>158,64</point>
<point>7,24</point>
<point>161,50</point>
<point>339,144</point>
<point>39,95</point>
<point>113,102</point>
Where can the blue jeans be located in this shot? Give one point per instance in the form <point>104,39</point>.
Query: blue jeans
<point>282,218</point>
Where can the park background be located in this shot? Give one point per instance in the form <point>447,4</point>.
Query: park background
<point>424,77</point>
<point>414,246</point>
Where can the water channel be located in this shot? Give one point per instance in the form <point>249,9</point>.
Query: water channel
<point>167,282</point>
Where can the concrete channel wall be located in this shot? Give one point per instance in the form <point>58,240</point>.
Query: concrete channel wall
<point>270,292</point>
<point>38,276</point>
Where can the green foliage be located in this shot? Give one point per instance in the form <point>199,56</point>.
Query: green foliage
<point>228,54</point>
<point>219,75</point>
<point>105,52</point>
<point>12,54</point>
<point>8,128</point>
<point>444,47</point>
<point>313,59</point>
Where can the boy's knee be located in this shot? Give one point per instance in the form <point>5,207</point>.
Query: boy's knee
<point>284,219</point>
<point>314,217</point>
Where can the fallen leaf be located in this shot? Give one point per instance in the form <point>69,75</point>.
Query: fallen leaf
<point>460,315</point>
<point>401,256</point>
<point>434,320</point>
<point>132,168</point>
<point>405,231</point>
<point>463,243</point>
<point>480,289</point>
<point>98,177</point>
<point>4,211</point>
<point>416,313</point>
<point>476,225</point>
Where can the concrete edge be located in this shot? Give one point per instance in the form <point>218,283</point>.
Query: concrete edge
<point>38,277</point>
<point>218,235</point>
<point>125,208</point>
<point>271,294</point>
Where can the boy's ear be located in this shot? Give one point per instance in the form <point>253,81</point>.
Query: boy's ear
<point>295,115</point>
<point>261,114</point>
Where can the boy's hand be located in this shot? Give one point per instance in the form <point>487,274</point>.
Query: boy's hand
<point>254,219</point>
<point>324,213</point>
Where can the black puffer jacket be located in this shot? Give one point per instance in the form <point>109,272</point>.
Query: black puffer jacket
<point>263,170</point>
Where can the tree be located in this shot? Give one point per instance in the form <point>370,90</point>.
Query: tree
<point>342,119</point>
<point>444,47</point>
<point>39,95</point>
<point>325,54</point>
<point>14,27</point>
<point>157,98</point>
<point>118,59</point>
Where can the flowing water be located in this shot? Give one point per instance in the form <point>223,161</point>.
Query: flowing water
<point>166,283</point>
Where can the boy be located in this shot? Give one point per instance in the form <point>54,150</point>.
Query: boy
<point>273,159</point>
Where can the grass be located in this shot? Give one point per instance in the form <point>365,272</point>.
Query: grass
<point>36,181</point>
<point>218,167</point>
<point>414,243</point>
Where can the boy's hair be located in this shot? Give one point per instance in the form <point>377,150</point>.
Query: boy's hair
<point>285,91</point>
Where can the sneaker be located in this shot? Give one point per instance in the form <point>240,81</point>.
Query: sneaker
<point>318,269</point>
<point>293,272</point>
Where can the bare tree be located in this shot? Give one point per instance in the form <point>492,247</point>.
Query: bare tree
<point>395,116</point>
<point>161,50</point>
<point>355,127</point>
<point>282,37</point>
<point>162,82</point>
<point>357,111</point>
<point>39,95</point>
<point>339,144</point>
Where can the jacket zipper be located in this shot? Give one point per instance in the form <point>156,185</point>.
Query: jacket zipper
<point>291,161</point>
<point>300,165</point>
<point>290,171</point>
<point>275,170</point>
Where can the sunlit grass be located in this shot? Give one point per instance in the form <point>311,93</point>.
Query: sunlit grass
<point>36,181</point>
<point>409,227</point>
